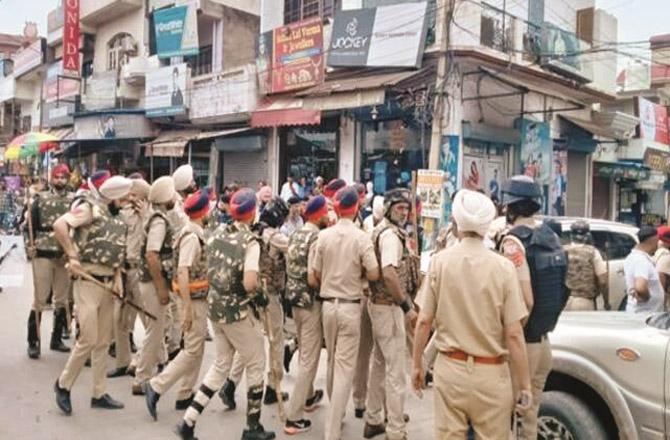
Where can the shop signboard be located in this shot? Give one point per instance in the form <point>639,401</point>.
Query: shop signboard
<point>105,126</point>
<point>166,91</point>
<point>657,160</point>
<point>176,31</point>
<point>227,93</point>
<point>29,57</point>
<point>71,34</point>
<point>291,57</point>
<point>619,171</point>
<point>654,123</point>
<point>58,114</point>
<point>429,189</point>
<point>387,36</point>
<point>536,150</point>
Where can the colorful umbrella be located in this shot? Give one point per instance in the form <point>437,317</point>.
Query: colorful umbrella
<point>30,144</point>
<point>12,153</point>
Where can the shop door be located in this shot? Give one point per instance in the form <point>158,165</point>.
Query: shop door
<point>601,198</point>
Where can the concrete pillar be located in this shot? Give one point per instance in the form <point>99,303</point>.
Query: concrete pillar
<point>273,159</point>
<point>347,149</point>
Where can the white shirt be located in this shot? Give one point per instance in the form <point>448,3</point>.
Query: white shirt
<point>639,264</point>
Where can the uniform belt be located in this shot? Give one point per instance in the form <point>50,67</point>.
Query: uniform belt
<point>193,286</point>
<point>463,356</point>
<point>199,295</point>
<point>40,253</point>
<point>341,300</point>
<point>102,278</point>
<point>382,302</point>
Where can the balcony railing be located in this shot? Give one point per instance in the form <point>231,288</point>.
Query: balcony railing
<point>497,29</point>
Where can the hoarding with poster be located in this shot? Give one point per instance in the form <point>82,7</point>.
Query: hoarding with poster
<point>653,121</point>
<point>295,58</point>
<point>429,188</point>
<point>449,164</point>
<point>473,173</point>
<point>559,183</point>
<point>536,150</point>
<point>71,34</point>
<point>176,31</point>
<point>58,85</point>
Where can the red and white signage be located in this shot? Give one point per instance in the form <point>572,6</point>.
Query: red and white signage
<point>653,121</point>
<point>71,33</point>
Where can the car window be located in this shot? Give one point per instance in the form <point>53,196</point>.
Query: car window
<point>620,245</point>
<point>600,241</point>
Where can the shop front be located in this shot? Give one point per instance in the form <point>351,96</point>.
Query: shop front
<point>628,184</point>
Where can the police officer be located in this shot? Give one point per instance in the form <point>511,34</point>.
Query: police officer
<point>155,273</point>
<point>98,248</point>
<point>234,254</point>
<point>472,296</point>
<point>344,256</point>
<point>542,285</point>
<point>49,272</point>
<point>302,291</point>
<point>132,214</point>
<point>192,285</point>
<point>587,272</point>
<point>389,303</point>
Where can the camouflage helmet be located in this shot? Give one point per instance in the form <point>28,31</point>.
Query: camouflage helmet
<point>274,213</point>
<point>521,188</point>
<point>395,196</point>
<point>580,231</point>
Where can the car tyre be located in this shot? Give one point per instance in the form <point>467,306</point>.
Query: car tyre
<point>564,416</point>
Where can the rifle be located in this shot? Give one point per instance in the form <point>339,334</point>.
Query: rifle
<point>89,277</point>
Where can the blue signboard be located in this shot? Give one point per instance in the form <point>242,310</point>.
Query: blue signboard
<point>176,31</point>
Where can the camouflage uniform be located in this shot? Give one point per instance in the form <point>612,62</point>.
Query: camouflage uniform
<point>49,273</point>
<point>233,250</point>
<point>306,314</point>
<point>584,266</point>
<point>153,349</point>
<point>101,241</point>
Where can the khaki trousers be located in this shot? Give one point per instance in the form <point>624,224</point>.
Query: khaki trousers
<point>95,310</point>
<point>388,377</point>
<point>310,335</point>
<point>173,324</point>
<point>465,391</point>
<point>363,360</point>
<point>153,348</point>
<point>50,274</point>
<point>124,318</point>
<point>342,329</point>
<point>578,304</point>
<point>186,366</point>
<point>539,361</point>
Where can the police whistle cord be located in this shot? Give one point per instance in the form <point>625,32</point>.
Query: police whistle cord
<point>89,277</point>
<point>274,364</point>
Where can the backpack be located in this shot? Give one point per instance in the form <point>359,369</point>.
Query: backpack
<point>548,265</point>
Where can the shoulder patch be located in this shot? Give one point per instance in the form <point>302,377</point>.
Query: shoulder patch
<point>513,251</point>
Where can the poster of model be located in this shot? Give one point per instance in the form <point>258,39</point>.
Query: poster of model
<point>493,176</point>
<point>449,164</point>
<point>559,184</point>
<point>536,151</point>
<point>473,173</point>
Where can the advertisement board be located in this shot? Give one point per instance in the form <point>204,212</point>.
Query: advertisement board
<point>224,94</point>
<point>71,34</point>
<point>58,114</point>
<point>101,91</point>
<point>57,85</point>
<point>536,150</point>
<point>112,126</point>
<point>176,31</point>
<point>290,57</point>
<point>387,36</point>
<point>429,189</point>
<point>559,183</point>
<point>657,160</point>
<point>166,91</point>
<point>653,121</point>
<point>29,57</point>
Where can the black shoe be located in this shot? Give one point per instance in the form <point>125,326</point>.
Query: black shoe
<point>404,416</point>
<point>288,355</point>
<point>112,350</point>
<point>271,396</point>
<point>293,428</point>
<point>117,372</point>
<point>58,345</point>
<point>371,431</point>
<point>313,402</point>
<point>227,394</point>
<point>429,379</point>
<point>106,402</point>
<point>184,431</point>
<point>151,397</point>
<point>60,322</point>
<point>359,413</point>
<point>257,433</point>
<point>34,350</point>
<point>63,399</point>
<point>66,334</point>
<point>182,405</point>
<point>33,338</point>
<point>137,390</point>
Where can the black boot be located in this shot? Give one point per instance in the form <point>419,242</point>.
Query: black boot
<point>271,396</point>
<point>227,394</point>
<point>33,338</point>
<point>185,432</point>
<point>257,432</point>
<point>60,320</point>
<point>63,399</point>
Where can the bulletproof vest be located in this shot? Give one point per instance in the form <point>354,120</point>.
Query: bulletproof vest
<point>165,253</point>
<point>298,292</point>
<point>272,267</point>
<point>407,281</point>
<point>103,241</point>
<point>548,265</point>
<point>581,276</point>
<point>198,271</point>
<point>227,248</point>
<point>46,209</point>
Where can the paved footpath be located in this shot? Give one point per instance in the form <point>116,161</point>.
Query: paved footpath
<point>28,409</point>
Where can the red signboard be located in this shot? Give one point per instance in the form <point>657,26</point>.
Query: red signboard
<point>653,121</point>
<point>71,33</point>
<point>296,56</point>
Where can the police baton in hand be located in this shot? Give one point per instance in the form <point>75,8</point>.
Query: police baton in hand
<point>88,277</point>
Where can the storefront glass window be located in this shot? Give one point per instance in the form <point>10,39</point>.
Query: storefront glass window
<point>390,151</point>
<point>309,152</point>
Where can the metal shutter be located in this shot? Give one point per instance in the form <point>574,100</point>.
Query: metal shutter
<point>245,168</point>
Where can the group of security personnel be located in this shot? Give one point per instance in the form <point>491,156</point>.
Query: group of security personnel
<point>154,245</point>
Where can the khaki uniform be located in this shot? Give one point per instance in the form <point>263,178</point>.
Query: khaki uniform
<point>101,241</point>
<point>177,220</point>
<point>585,265</point>
<point>473,294</point>
<point>233,250</point>
<point>191,254</point>
<point>343,254</point>
<point>158,238</point>
<point>306,314</point>
<point>539,353</point>
<point>388,374</point>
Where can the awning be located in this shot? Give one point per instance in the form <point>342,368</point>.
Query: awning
<point>170,143</point>
<point>596,129</point>
<point>354,83</point>
<point>284,111</point>
<point>219,133</point>
<point>62,133</point>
